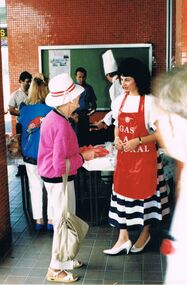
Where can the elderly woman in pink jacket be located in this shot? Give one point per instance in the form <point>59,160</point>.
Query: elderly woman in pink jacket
<point>58,142</point>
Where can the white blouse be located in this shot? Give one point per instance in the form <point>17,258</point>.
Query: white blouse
<point>131,106</point>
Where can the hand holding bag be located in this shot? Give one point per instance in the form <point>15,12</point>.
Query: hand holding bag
<point>71,229</point>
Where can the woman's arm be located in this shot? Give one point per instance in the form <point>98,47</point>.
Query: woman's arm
<point>133,143</point>
<point>117,141</point>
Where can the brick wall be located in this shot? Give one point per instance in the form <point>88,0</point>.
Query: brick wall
<point>70,22</point>
<point>181,31</point>
<point>5,231</point>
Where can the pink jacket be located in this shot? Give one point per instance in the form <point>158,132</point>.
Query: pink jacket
<point>58,142</point>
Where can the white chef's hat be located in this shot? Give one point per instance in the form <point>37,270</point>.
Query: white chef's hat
<point>109,63</point>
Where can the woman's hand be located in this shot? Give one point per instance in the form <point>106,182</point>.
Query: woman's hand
<point>88,154</point>
<point>131,145</point>
<point>118,143</point>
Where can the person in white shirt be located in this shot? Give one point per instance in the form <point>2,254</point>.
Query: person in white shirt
<point>20,95</point>
<point>110,69</point>
<point>17,97</point>
<point>104,127</point>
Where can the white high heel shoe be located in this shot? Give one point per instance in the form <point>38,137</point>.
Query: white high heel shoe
<point>113,251</point>
<point>135,249</point>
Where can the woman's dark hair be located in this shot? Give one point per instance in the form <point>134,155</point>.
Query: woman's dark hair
<point>138,70</point>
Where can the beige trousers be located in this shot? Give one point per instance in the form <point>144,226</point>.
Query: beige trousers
<point>55,193</point>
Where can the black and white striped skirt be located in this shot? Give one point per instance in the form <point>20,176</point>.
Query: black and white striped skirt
<point>131,214</point>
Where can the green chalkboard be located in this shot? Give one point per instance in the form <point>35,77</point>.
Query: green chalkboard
<point>91,59</point>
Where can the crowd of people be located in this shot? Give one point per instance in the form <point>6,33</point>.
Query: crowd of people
<point>54,121</point>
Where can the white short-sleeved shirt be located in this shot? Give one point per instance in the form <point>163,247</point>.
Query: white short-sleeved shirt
<point>17,98</point>
<point>114,91</point>
<point>131,106</point>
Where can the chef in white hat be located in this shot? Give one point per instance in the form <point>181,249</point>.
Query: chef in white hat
<point>109,62</point>
<point>110,70</point>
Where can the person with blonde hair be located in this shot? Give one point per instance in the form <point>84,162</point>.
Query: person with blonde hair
<point>171,92</point>
<point>38,90</point>
<point>31,114</point>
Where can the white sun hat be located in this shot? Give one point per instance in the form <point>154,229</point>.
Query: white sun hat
<point>62,90</point>
<point>109,62</point>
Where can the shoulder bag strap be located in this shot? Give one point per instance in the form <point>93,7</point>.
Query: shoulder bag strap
<point>65,183</point>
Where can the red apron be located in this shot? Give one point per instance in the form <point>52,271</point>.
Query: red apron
<point>136,171</point>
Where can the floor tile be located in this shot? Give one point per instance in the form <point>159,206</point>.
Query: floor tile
<point>28,259</point>
<point>14,280</point>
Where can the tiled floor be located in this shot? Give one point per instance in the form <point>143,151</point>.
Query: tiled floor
<point>28,259</point>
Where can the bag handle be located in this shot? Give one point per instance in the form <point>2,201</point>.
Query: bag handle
<point>65,183</point>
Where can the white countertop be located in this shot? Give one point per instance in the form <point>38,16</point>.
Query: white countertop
<point>105,163</point>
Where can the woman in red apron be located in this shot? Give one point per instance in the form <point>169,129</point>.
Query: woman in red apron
<point>139,196</point>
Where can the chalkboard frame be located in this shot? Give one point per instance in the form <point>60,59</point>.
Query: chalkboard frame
<point>103,98</point>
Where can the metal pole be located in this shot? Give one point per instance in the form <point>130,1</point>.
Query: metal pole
<point>168,35</point>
